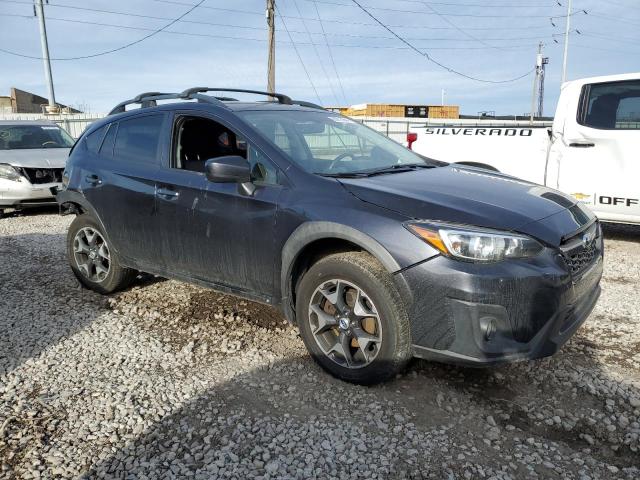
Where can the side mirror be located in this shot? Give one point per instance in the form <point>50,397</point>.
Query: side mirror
<point>228,169</point>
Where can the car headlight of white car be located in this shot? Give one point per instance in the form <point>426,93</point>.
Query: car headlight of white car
<point>475,244</point>
<point>8,172</point>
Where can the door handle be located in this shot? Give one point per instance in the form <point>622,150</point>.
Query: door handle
<point>167,194</point>
<point>582,144</point>
<point>93,180</point>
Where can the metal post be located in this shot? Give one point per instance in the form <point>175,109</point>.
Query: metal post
<point>566,43</point>
<point>45,54</point>
<point>271,69</point>
<point>545,61</point>
<point>535,83</point>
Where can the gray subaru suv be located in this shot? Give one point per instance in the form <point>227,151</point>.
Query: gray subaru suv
<point>376,253</point>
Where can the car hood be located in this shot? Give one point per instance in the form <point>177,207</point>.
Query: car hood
<point>36,157</point>
<point>474,196</point>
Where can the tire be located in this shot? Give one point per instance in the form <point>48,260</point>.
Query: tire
<point>378,321</point>
<point>99,257</point>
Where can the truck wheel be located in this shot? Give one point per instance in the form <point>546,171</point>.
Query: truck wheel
<point>352,318</point>
<point>93,261</point>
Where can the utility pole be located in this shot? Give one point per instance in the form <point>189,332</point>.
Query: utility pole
<point>271,69</point>
<point>45,56</point>
<point>535,83</point>
<point>566,42</point>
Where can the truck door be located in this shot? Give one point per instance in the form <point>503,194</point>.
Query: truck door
<point>597,153</point>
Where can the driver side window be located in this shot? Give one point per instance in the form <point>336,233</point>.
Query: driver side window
<point>198,139</point>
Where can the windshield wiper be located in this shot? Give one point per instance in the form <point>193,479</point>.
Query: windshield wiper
<point>410,167</point>
<point>398,168</point>
<point>343,174</point>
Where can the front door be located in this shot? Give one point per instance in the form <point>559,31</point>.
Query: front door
<point>599,152</point>
<point>216,232</point>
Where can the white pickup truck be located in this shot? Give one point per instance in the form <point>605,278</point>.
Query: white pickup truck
<point>591,152</point>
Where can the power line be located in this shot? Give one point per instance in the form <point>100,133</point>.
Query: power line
<point>335,69</point>
<point>421,12</point>
<point>445,19</point>
<point>428,57</point>
<point>315,49</point>
<point>482,5</point>
<point>122,47</point>
<point>304,67</point>
<point>229,37</point>
<point>291,17</point>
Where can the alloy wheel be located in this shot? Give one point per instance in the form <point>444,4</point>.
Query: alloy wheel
<point>91,253</point>
<point>345,323</point>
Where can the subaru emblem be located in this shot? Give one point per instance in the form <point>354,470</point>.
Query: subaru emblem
<point>586,239</point>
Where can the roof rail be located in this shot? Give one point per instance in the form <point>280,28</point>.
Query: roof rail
<point>304,103</point>
<point>284,99</point>
<point>149,99</point>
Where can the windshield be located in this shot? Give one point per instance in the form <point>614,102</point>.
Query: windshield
<point>20,137</point>
<point>330,144</point>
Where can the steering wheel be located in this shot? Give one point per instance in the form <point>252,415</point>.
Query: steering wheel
<point>340,158</point>
<point>49,142</point>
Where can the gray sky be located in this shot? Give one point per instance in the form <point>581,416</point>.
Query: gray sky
<point>488,39</point>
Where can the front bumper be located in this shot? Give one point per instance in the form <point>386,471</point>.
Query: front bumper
<point>22,193</point>
<point>484,314</point>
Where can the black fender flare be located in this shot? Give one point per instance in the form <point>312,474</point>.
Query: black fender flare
<point>310,232</point>
<point>72,197</point>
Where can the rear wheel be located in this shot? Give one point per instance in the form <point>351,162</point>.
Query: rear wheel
<point>92,259</point>
<point>352,318</point>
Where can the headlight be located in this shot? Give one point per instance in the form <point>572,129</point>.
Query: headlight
<point>475,243</point>
<point>9,173</point>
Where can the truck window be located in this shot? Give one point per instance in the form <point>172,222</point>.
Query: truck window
<point>138,139</point>
<point>611,106</point>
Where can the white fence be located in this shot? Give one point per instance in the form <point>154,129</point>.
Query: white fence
<point>72,123</point>
<point>395,128</point>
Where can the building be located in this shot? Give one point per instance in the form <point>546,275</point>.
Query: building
<point>21,101</point>
<point>399,110</point>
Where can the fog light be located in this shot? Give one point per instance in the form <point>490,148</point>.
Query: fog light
<point>488,326</point>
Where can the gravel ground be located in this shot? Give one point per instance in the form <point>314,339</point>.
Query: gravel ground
<point>170,380</point>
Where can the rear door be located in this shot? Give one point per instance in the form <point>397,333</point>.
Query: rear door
<point>121,185</point>
<point>598,155</point>
<point>217,232</point>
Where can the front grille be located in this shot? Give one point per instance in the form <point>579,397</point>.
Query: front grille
<point>43,175</point>
<point>582,259</point>
<point>579,255</point>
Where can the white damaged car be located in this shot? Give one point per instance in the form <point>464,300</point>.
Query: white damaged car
<point>32,158</point>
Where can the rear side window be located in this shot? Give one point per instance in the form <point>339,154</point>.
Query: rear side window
<point>138,139</point>
<point>94,139</point>
<point>106,150</point>
<point>611,106</point>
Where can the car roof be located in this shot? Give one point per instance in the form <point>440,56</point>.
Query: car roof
<point>28,122</point>
<point>233,106</point>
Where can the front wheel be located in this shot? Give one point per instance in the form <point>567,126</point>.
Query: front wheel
<point>92,260</point>
<point>352,318</point>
